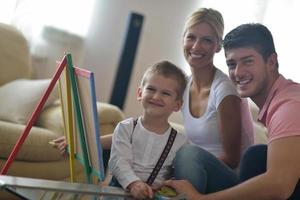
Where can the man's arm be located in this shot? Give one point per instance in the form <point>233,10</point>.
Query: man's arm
<point>283,172</point>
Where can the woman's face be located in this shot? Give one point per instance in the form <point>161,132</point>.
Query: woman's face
<point>200,44</point>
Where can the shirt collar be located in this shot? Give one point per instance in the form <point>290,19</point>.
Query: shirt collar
<point>278,84</point>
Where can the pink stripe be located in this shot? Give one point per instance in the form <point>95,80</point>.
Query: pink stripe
<point>82,72</point>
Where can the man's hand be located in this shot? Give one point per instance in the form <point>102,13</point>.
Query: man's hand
<point>183,186</point>
<point>140,190</point>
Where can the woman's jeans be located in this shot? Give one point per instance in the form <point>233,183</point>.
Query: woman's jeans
<point>205,171</point>
<point>254,163</point>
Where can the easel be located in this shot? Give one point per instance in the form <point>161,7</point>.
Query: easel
<point>72,112</point>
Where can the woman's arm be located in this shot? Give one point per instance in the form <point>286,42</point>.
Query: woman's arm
<point>229,114</point>
<point>106,141</point>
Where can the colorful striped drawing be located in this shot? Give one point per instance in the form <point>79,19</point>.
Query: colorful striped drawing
<point>80,117</point>
<point>85,121</point>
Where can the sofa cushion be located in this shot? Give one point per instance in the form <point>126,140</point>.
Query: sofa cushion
<point>19,98</point>
<point>109,116</point>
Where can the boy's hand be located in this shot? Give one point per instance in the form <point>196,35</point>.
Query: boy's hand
<point>60,144</point>
<point>140,190</point>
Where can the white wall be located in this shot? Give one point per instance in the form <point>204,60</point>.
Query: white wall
<point>161,36</point>
<point>160,39</point>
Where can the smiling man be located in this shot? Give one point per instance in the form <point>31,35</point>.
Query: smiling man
<point>269,171</point>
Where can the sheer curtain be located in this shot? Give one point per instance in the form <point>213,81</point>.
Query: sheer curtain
<point>55,26</point>
<point>281,17</point>
<point>6,10</point>
<point>51,27</point>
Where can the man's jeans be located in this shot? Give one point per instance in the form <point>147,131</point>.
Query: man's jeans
<point>254,162</point>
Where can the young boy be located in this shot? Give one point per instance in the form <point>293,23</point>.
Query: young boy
<point>137,144</point>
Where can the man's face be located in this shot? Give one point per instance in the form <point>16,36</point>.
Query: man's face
<point>249,72</point>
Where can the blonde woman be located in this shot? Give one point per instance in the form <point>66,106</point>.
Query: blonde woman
<point>217,121</point>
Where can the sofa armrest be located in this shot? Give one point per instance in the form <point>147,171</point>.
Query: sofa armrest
<point>109,117</point>
<point>34,148</point>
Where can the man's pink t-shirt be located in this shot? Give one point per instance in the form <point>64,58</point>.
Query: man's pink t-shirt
<point>281,111</point>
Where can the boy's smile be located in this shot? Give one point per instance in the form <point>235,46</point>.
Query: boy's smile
<point>159,96</point>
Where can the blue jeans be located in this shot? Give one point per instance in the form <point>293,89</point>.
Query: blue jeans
<point>206,172</point>
<point>254,163</point>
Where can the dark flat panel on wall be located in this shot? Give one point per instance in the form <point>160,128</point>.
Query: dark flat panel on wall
<point>126,62</point>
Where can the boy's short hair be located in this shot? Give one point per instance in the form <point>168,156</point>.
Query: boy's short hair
<point>168,70</point>
<point>252,35</point>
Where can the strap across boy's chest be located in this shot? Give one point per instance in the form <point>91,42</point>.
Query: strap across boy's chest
<point>163,155</point>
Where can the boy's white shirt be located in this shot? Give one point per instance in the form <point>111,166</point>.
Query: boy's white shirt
<point>131,161</point>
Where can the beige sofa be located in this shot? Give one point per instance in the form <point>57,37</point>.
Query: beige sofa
<point>36,158</point>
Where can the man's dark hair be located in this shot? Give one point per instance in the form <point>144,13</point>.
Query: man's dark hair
<point>253,35</point>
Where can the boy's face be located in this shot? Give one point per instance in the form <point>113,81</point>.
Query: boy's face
<point>250,72</point>
<point>159,96</point>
